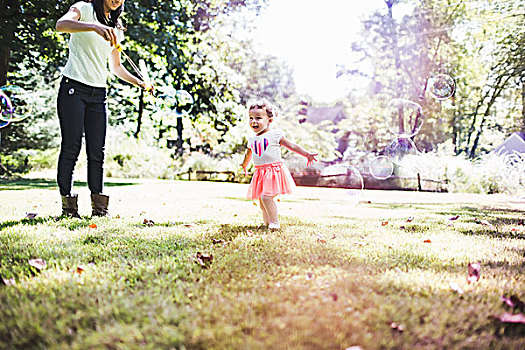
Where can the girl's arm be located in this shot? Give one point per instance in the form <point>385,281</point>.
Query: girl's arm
<point>69,23</point>
<point>298,149</point>
<point>247,158</point>
<point>115,64</point>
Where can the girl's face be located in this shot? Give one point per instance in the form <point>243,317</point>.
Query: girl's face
<point>112,5</point>
<point>259,121</point>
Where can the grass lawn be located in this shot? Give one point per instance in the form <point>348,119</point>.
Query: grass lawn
<point>388,272</point>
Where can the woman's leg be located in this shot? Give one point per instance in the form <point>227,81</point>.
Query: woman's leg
<point>71,111</point>
<point>271,209</point>
<point>266,219</point>
<point>95,131</point>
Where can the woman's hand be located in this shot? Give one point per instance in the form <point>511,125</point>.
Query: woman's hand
<point>107,33</point>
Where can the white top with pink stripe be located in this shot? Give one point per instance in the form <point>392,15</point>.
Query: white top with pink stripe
<point>266,147</point>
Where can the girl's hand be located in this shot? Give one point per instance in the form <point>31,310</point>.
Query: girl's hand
<point>244,168</point>
<point>310,158</point>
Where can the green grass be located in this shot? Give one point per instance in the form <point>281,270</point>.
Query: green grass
<point>333,277</point>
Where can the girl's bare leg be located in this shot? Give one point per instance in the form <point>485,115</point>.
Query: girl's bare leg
<point>266,220</point>
<point>271,209</point>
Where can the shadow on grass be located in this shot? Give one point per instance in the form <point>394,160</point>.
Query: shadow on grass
<point>61,221</point>
<point>26,184</point>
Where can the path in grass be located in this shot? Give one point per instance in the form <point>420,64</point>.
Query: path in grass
<point>336,275</point>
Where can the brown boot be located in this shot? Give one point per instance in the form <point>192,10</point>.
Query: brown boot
<point>70,206</point>
<point>99,203</point>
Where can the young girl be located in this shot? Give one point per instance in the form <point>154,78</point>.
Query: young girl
<point>95,30</point>
<point>271,176</point>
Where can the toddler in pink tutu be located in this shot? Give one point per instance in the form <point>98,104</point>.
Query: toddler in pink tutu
<point>271,176</point>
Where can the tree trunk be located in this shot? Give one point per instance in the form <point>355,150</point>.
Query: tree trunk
<point>523,104</point>
<point>139,118</point>
<point>5,53</point>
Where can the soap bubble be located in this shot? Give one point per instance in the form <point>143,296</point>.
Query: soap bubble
<point>343,176</point>
<point>399,148</point>
<point>403,118</point>
<point>381,167</point>
<point>6,110</point>
<point>441,86</point>
<point>22,103</point>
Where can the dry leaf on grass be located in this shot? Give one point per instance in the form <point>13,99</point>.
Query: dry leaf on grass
<point>410,219</point>
<point>514,302</point>
<point>38,264</point>
<point>31,215</point>
<point>474,270</point>
<point>384,223</point>
<point>427,241</point>
<point>9,282</point>
<point>92,226</point>
<point>511,318</point>
<point>217,240</point>
<point>80,269</point>
<point>397,327</point>
<point>454,218</point>
<point>148,222</point>
<point>203,260</point>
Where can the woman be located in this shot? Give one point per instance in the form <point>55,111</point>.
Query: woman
<point>95,32</point>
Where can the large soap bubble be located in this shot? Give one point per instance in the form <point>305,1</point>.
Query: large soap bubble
<point>399,148</point>
<point>441,86</point>
<point>22,103</point>
<point>343,176</point>
<point>381,167</point>
<point>403,118</point>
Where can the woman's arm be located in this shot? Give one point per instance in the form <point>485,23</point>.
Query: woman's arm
<point>115,64</point>
<point>298,149</point>
<point>69,23</point>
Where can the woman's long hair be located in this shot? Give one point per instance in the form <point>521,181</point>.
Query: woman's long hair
<point>113,21</point>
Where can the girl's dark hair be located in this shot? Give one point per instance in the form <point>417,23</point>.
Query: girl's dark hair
<point>113,21</point>
<point>263,104</point>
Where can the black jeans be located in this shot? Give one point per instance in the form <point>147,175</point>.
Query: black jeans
<point>81,110</point>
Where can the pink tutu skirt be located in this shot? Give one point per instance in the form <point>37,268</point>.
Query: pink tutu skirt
<point>270,180</point>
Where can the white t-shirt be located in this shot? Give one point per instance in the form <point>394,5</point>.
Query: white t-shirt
<point>88,51</point>
<point>266,147</point>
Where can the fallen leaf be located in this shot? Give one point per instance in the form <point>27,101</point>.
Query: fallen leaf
<point>514,302</point>
<point>511,318</point>
<point>401,227</point>
<point>321,239</point>
<point>217,240</point>
<point>80,269</point>
<point>454,218</point>
<point>309,276</point>
<point>397,327</point>
<point>409,219</point>
<point>9,282</point>
<point>334,296</point>
<point>148,222</point>
<point>455,287</point>
<point>384,223</point>
<point>474,270</point>
<point>116,217</point>
<point>31,215</point>
<point>249,233</point>
<point>189,224</point>
<point>38,264</point>
<point>427,241</point>
<point>93,226</point>
<point>254,203</point>
<point>203,260</point>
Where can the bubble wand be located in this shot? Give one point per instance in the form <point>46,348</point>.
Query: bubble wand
<point>143,75</point>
